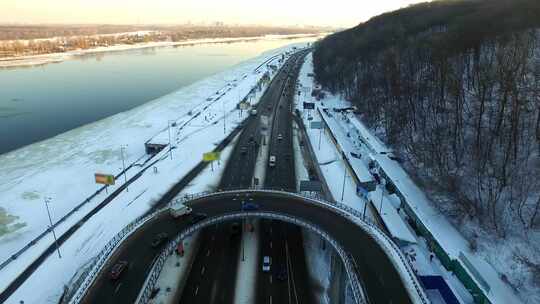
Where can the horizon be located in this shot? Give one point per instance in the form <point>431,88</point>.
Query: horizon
<point>342,14</point>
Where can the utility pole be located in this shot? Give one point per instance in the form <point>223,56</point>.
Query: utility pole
<point>123,166</point>
<point>224,118</point>
<point>169,129</point>
<point>382,196</point>
<point>344,178</point>
<point>320,135</point>
<point>47,200</point>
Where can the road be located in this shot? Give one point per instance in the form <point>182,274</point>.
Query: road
<point>221,247</point>
<point>377,271</point>
<point>283,242</point>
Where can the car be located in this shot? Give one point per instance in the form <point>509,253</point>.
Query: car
<point>394,157</point>
<point>280,137</point>
<point>159,239</point>
<point>243,150</point>
<point>180,210</point>
<point>118,269</point>
<point>235,229</point>
<point>272,161</point>
<point>197,217</point>
<point>282,273</point>
<point>267,262</point>
<point>249,206</point>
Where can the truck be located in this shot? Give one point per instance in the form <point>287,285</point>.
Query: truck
<point>180,210</point>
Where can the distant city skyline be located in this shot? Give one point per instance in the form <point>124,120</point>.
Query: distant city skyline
<point>341,13</point>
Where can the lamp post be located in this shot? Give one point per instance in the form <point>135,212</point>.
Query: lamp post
<point>124,165</point>
<point>47,200</point>
<point>169,130</point>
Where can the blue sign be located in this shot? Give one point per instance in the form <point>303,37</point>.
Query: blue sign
<point>361,192</point>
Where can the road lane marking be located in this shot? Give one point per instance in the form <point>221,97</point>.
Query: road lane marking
<point>270,299</point>
<point>270,244</point>
<point>208,252</point>
<point>202,270</point>
<point>197,290</point>
<point>117,288</point>
<point>270,279</point>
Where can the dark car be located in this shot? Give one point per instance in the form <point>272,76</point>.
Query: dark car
<point>197,217</point>
<point>249,206</point>
<point>235,229</point>
<point>282,273</point>
<point>159,239</point>
<point>118,269</point>
<point>243,150</point>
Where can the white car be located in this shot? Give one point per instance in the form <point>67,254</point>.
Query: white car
<point>266,263</point>
<point>280,137</point>
<point>272,161</point>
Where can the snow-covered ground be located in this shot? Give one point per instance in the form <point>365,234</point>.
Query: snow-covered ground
<point>33,60</point>
<point>63,168</point>
<point>370,148</point>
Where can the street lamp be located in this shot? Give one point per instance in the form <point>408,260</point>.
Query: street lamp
<point>47,200</point>
<point>169,130</point>
<point>122,147</point>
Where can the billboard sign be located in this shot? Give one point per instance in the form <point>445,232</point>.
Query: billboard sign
<point>211,156</point>
<point>316,125</point>
<point>105,179</point>
<point>309,105</point>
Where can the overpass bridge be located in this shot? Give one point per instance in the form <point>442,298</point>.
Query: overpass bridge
<point>376,268</point>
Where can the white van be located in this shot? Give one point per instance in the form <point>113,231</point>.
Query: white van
<point>272,161</point>
<point>180,210</point>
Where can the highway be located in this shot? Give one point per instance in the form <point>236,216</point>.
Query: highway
<point>283,242</point>
<point>221,248</point>
<point>213,273</point>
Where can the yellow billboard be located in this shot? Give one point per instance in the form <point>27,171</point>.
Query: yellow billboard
<point>106,179</point>
<point>211,156</point>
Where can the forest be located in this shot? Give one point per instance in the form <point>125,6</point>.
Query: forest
<point>454,88</point>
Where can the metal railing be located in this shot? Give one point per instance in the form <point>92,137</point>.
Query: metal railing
<point>150,284</point>
<point>386,243</point>
<point>80,286</point>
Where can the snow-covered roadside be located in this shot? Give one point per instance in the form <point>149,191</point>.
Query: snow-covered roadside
<point>34,60</point>
<point>317,259</point>
<point>450,239</point>
<point>63,167</point>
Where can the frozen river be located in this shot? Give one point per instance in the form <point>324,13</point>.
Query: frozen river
<point>40,102</point>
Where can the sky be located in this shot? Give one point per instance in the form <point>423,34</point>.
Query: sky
<point>336,13</point>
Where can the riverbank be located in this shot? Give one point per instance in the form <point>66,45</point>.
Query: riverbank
<point>36,60</point>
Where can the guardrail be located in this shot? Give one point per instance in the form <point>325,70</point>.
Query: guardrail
<point>409,279</point>
<point>85,280</point>
<point>146,293</point>
<point>344,210</point>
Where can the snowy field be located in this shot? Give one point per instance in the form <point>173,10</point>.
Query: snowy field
<point>62,168</point>
<point>449,237</point>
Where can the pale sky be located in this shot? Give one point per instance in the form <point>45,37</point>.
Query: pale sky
<point>339,13</point>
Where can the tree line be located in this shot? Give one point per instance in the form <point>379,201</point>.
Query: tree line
<point>454,87</point>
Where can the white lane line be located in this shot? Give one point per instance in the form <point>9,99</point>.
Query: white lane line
<point>270,244</point>
<point>202,270</point>
<point>270,279</point>
<point>197,290</point>
<point>117,288</point>
<point>208,252</point>
<point>270,299</point>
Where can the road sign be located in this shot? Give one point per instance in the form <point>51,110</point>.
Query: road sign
<point>105,179</point>
<point>309,105</point>
<point>361,192</point>
<point>211,156</point>
<point>244,106</point>
<point>310,186</point>
<point>316,125</point>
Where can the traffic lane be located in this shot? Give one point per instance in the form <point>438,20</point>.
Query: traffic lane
<point>204,267</point>
<point>382,281</point>
<point>139,253</point>
<point>296,252</point>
